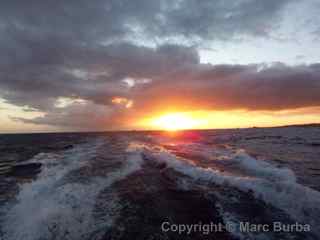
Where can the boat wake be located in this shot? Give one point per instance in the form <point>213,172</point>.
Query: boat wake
<point>60,203</point>
<point>122,186</point>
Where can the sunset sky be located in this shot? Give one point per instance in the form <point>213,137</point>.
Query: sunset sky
<point>82,65</point>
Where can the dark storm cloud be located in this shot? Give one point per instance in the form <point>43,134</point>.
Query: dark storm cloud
<point>222,19</point>
<point>206,87</point>
<point>77,116</point>
<point>38,85</point>
<point>95,20</point>
<point>253,87</point>
<point>86,49</point>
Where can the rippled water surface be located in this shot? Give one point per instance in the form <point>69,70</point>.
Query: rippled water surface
<point>125,185</point>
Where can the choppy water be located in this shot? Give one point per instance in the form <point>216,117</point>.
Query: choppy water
<point>125,185</point>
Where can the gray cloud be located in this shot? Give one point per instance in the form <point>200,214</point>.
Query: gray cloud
<point>38,85</point>
<point>253,87</point>
<point>87,22</point>
<point>205,87</point>
<point>222,19</point>
<point>77,116</point>
<point>85,49</point>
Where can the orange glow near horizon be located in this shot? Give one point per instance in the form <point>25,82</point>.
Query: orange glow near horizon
<point>163,118</point>
<point>174,121</point>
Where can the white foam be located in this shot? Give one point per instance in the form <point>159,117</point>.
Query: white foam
<point>53,208</point>
<point>239,159</point>
<point>300,202</point>
<point>262,168</point>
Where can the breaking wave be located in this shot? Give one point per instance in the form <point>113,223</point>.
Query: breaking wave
<point>273,185</point>
<point>118,185</point>
<point>53,207</point>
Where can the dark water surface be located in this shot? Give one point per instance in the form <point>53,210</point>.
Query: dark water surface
<point>126,185</point>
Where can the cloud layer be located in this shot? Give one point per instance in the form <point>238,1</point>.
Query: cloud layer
<point>143,51</point>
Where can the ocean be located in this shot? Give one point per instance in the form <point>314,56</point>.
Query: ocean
<point>257,183</point>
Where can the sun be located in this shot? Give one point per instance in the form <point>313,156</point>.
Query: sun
<point>175,122</point>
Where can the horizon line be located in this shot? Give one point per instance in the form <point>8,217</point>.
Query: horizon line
<point>160,130</point>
